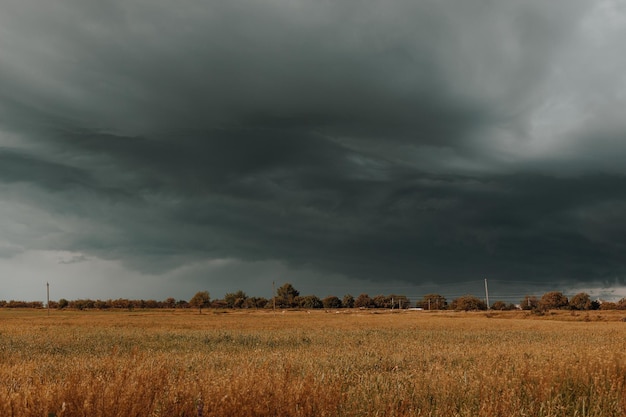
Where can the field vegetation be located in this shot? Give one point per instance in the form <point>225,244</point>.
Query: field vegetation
<point>346,362</point>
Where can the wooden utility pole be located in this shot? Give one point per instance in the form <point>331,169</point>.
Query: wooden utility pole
<point>274,295</point>
<point>48,296</point>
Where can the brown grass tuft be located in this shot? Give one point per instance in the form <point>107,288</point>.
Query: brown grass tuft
<point>293,364</point>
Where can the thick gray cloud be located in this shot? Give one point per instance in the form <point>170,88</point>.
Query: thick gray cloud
<point>418,143</point>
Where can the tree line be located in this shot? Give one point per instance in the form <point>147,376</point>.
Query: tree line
<point>288,297</point>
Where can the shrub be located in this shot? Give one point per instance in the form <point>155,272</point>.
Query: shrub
<point>331,302</point>
<point>468,303</point>
<point>580,301</point>
<point>553,300</point>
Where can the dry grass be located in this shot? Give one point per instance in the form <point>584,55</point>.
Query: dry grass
<point>165,363</point>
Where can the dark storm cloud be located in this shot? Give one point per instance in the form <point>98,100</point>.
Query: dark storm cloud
<point>17,167</point>
<point>425,71</point>
<point>327,208</point>
<point>417,141</point>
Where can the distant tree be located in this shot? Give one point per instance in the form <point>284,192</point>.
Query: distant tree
<point>499,305</point>
<point>580,301</point>
<point>621,304</point>
<point>82,304</point>
<point>121,303</point>
<point>553,300</point>
<point>218,304</point>
<point>63,303</point>
<point>255,302</point>
<point>261,302</point>
<point>432,302</point>
<point>199,300</point>
<point>288,293</point>
<point>297,302</point>
<point>363,301</point>
<point>310,301</point>
<point>281,302</point>
<point>399,301</point>
<point>182,304</point>
<point>468,303</point>
<point>235,299</point>
<point>529,302</point>
<point>608,305</point>
<point>17,304</point>
<point>381,301</point>
<point>331,302</point>
<point>347,301</point>
<point>169,302</point>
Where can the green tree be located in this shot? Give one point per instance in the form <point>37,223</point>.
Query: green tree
<point>432,302</point>
<point>63,303</point>
<point>280,302</point>
<point>288,293</point>
<point>331,302</point>
<point>553,300</point>
<point>199,300</point>
<point>468,303</point>
<point>347,301</point>
<point>169,302</point>
<point>254,302</point>
<point>608,305</point>
<point>529,302</point>
<point>381,301</point>
<point>363,301</point>
<point>399,301</point>
<point>499,305</point>
<point>217,304</point>
<point>580,301</point>
<point>310,301</point>
<point>235,299</point>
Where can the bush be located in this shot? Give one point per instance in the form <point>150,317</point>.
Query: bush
<point>468,303</point>
<point>553,300</point>
<point>363,301</point>
<point>580,301</point>
<point>432,302</point>
<point>529,302</point>
<point>331,302</point>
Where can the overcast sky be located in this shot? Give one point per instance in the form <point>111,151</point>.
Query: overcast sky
<point>151,148</point>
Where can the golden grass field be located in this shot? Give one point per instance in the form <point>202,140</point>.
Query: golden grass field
<point>297,363</point>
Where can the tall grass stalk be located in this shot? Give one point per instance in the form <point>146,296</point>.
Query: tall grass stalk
<point>353,364</point>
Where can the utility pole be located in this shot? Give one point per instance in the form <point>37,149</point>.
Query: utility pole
<point>487,293</point>
<point>274,295</point>
<point>48,296</point>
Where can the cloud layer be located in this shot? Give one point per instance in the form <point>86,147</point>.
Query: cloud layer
<point>410,142</point>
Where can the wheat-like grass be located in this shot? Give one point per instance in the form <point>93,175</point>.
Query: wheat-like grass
<point>296,364</point>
